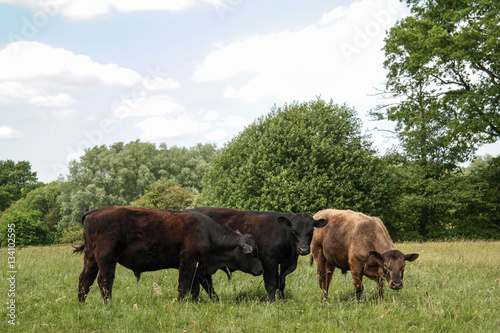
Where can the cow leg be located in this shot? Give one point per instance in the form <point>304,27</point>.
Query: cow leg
<point>195,289</point>
<point>188,282</point>
<point>106,278</point>
<point>271,281</point>
<point>87,277</point>
<point>324,273</point>
<point>207,284</point>
<point>281,286</point>
<point>357,272</point>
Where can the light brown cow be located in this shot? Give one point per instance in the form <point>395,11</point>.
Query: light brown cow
<point>359,243</point>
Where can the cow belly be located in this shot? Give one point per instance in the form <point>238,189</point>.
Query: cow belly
<point>341,264</point>
<point>151,258</point>
<point>336,254</point>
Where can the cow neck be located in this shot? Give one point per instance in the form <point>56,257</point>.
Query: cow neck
<point>223,237</point>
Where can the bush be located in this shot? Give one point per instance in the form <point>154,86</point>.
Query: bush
<point>72,236</point>
<point>29,228</point>
<point>302,157</point>
<point>166,194</point>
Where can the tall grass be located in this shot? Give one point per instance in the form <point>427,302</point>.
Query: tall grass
<point>452,287</point>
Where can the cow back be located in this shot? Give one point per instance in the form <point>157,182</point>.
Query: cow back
<point>271,236</point>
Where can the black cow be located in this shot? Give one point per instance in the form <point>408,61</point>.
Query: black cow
<point>144,239</point>
<point>280,237</point>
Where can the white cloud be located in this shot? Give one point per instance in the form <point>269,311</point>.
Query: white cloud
<point>14,92</point>
<point>45,65</point>
<point>94,9</point>
<point>74,156</point>
<point>59,100</point>
<point>41,75</point>
<point>217,136</point>
<point>64,114</point>
<point>160,128</point>
<point>339,58</point>
<point>146,107</point>
<point>210,115</point>
<point>159,83</point>
<point>235,122</point>
<point>336,14</point>
<point>8,133</point>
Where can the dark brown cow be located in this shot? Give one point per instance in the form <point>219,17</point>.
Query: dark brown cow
<point>359,243</point>
<point>143,239</point>
<point>281,238</point>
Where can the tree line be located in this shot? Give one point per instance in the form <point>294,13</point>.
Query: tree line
<point>442,92</point>
<point>299,157</point>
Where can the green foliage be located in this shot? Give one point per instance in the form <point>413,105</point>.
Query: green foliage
<point>443,79</point>
<point>29,228</point>
<point>302,157</point>
<point>72,236</point>
<point>121,173</point>
<point>479,215</point>
<point>444,67</point>
<point>451,287</point>
<point>463,204</point>
<point>16,180</point>
<point>37,212</point>
<point>166,194</point>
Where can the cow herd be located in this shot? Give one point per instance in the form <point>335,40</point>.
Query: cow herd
<point>200,241</point>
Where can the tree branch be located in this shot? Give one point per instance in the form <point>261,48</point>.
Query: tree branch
<point>492,75</point>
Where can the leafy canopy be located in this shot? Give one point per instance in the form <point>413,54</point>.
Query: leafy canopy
<point>121,173</point>
<point>300,157</point>
<point>443,66</point>
<point>16,180</point>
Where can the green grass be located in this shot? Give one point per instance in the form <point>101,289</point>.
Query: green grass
<point>452,287</point>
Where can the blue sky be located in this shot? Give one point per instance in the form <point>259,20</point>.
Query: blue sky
<point>80,73</point>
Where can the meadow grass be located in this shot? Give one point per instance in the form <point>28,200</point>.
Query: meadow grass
<point>452,287</point>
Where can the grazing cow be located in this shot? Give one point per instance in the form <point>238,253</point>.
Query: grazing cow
<point>144,239</point>
<point>280,237</point>
<point>359,243</point>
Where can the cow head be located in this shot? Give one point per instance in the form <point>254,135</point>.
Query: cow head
<point>393,263</point>
<point>246,256</point>
<point>302,229</point>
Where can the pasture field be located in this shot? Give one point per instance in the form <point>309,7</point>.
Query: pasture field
<point>451,287</point>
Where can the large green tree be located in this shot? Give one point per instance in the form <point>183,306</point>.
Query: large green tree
<point>479,215</point>
<point>299,157</point>
<point>16,180</point>
<point>443,66</point>
<point>121,173</point>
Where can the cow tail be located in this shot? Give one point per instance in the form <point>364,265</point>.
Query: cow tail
<point>79,249</point>
<point>84,215</point>
<point>311,260</point>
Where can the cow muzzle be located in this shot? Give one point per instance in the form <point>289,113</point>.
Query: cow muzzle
<point>257,272</point>
<point>304,250</point>
<point>396,285</point>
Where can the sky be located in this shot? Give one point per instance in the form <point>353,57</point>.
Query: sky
<point>79,73</point>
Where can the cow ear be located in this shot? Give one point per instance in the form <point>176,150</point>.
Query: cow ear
<point>411,257</point>
<point>376,256</point>
<point>320,223</point>
<point>284,221</point>
<point>246,248</point>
